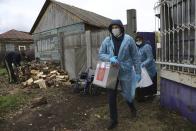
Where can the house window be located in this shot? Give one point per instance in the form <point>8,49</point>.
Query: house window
<point>9,47</point>
<point>21,48</point>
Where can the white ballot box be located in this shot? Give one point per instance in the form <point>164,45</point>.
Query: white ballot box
<point>106,75</point>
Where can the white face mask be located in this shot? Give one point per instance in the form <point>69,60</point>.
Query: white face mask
<point>116,32</point>
<point>138,42</point>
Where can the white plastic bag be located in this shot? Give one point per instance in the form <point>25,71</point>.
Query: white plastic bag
<point>145,79</point>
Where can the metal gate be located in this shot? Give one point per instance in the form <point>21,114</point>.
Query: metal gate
<point>176,24</point>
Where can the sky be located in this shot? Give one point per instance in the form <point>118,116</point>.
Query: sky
<point>21,14</point>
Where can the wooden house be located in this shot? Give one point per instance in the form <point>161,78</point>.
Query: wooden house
<point>14,40</point>
<point>61,34</point>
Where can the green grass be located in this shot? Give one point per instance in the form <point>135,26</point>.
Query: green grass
<point>11,102</point>
<point>2,71</point>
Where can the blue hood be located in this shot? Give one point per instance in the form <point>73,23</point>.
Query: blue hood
<point>116,22</point>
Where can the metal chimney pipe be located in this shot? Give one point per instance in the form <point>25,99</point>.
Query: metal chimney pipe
<point>131,22</point>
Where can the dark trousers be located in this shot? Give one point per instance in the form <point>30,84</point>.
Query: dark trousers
<point>10,70</point>
<point>112,94</point>
<point>112,100</point>
<point>147,91</point>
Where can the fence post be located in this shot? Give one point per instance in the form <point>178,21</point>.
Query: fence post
<point>88,48</point>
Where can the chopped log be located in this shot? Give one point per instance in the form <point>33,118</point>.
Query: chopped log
<point>35,77</point>
<point>24,83</point>
<point>43,76</point>
<point>62,72</point>
<point>29,81</point>
<point>52,76</point>
<point>60,76</point>
<point>58,73</point>
<point>45,68</point>
<point>39,101</point>
<point>53,72</point>
<point>41,73</point>
<point>41,83</point>
<point>34,72</point>
<point>59,79</point>
<point>66,77</point>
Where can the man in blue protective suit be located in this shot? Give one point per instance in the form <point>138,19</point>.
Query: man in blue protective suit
<point>120,49</point>
<point>12,61</point>
<point>147,59</point>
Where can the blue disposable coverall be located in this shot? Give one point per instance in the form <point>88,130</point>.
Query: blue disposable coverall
<point>147,59</point>
<point>145,51</point>
<point>128,59</point>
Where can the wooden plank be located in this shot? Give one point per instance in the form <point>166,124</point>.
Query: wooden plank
<point>88,48</point>
<point>61,50</point>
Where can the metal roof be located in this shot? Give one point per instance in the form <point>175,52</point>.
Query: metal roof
<point>16,35</point>
<point>86,16</point>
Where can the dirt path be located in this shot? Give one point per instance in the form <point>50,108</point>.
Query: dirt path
<point>66,111</point>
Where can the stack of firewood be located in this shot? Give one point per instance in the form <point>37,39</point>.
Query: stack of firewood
<point>42,75</point>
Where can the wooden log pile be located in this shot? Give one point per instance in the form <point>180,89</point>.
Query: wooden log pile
<point>43,75</point>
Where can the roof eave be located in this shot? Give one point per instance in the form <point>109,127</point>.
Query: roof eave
<point>11,39</point>
<point>44,8</point>
<point>46,4</point>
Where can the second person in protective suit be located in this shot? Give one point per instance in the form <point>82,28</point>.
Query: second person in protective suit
<point>120,49</point>
<point>145,51</point>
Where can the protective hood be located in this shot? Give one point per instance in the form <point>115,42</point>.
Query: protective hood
<point>116,22</point>
<point>141,37</point>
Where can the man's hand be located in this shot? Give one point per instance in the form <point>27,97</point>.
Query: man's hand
<point>114,60</point>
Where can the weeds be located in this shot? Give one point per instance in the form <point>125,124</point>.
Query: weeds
<point>3,71</point>
<point>11,102</point>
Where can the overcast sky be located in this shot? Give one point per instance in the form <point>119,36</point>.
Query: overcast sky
<point>21,14</point>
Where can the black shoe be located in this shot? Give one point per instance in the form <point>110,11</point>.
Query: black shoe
<point>112,125</point>
<point>133,113</point>
<point>133,109</point>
